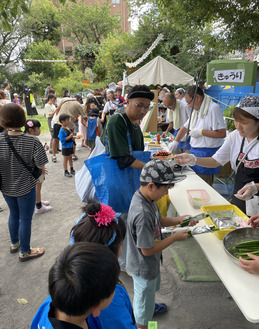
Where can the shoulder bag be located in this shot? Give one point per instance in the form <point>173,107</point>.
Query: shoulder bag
<point>35,172</point>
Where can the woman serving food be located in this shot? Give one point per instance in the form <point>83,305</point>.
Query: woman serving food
<point>241,148</point>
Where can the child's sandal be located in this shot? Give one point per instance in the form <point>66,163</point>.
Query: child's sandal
<point>14,247</point>
<point>31,254</point>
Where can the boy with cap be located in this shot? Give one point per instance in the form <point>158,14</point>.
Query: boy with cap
<point>144,243</point>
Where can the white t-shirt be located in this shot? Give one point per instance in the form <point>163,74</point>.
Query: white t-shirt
<point>185,112</point>
<point>110,105</point>
<point>7,92</point>
<point>229,151</point>
<point>49,108</point>
<point>212,121</point>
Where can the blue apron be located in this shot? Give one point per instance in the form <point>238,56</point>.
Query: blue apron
<point>204,152</point>
<point>181,144</point>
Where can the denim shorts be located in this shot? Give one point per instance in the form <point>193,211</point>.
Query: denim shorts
<point>144,298</point>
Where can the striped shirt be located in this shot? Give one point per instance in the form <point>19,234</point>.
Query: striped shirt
<point>16,179</point>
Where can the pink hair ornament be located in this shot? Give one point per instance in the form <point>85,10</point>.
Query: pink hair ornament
<point>30,124</point>
<point>104,216</point>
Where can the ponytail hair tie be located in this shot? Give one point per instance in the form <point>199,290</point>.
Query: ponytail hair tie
<point>105,215</point>
<point>30,124</point>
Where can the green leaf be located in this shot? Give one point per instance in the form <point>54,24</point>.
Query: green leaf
<point>6,26</point>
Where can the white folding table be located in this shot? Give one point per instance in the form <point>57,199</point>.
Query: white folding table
<point>243,287</point>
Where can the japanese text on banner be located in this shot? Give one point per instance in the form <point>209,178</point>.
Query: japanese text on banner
<point>237,75</point>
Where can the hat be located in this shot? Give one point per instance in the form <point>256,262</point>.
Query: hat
<point>78,96</point>
<point>250,104</point>
<point>159,171</point>
<point>94,112</point>
<point>141,91</point>
<point>180,90</point>
<point>113,86</point>
<point>166,89</point>
<point>15,94</point>
<point>90,95</point>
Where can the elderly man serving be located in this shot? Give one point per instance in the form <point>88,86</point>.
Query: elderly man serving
<point>177,114</point>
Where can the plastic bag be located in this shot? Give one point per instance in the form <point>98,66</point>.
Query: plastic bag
<point>113,186</point>
<point>83,179</point>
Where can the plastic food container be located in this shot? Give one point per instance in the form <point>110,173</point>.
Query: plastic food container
<point>221,233</point>
<point>198,198</point>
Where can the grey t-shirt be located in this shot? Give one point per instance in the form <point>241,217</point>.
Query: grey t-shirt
<point>144,228</point>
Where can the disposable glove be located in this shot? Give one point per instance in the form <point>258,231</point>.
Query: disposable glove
<point>196,133</point>
<point>246,192</point>
<point>173,146</point>
<point>185,159</point>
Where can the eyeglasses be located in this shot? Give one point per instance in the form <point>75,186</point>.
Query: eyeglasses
<point>142,107</point>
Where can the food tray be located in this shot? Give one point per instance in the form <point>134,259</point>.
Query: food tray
<point>152,145</point>
<point>221,233</point>
<point>198,198</point>
<point>239,235</point>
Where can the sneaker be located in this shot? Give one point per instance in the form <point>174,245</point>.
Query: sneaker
<point>59,150</point>
<point>72,172</point>
<point>54,159</point>
<point>67,174</point>
<point>160,308</point>
<point>45,203</point>
<point>75,158</point>
<point>43,209</point>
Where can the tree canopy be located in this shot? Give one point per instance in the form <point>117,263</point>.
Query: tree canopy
<point>45,50</point>
<point>43,22</point>
<point>11,9</point>
<point>88,23</point>
<point>235,21</point>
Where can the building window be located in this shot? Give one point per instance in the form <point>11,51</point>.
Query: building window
<point>117,2</point>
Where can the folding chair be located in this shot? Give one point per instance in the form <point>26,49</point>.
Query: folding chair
<point>226,186</point>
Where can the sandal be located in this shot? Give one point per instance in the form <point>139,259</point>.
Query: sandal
<point>32,253</point>
<point>14,247</point>
<point>160,308</point>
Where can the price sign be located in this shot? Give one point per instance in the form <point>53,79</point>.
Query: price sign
<point>230,76</point>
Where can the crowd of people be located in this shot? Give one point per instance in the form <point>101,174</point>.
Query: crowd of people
<point>84,286</point>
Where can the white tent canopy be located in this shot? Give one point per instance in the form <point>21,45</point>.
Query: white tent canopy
<point>160,72</point>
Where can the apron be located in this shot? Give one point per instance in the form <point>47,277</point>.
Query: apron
<point>204,152</point>
<point>181,144</point>
<point>247,171</point>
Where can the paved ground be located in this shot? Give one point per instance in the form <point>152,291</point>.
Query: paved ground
<point>191,304</point>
